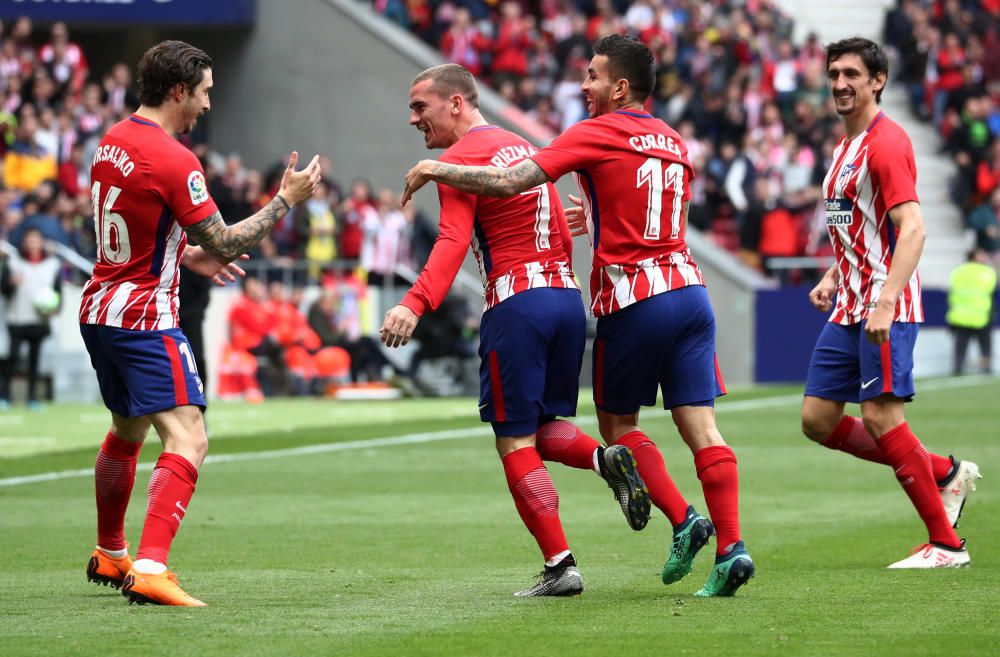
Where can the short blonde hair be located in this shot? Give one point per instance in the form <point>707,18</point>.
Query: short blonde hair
<point>448,79</point>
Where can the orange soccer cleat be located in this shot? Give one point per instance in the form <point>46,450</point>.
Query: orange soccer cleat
<point>161,589</point>
<point>107,570</point>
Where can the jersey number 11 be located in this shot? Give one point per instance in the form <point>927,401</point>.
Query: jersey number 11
<point>658,178</point>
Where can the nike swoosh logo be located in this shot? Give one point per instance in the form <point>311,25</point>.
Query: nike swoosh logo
<point>864,386</point>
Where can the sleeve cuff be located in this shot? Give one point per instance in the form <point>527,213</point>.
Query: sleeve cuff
<point>414,303</point>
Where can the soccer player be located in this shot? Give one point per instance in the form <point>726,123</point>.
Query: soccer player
<point>655,327</point>
<point>149,195</point>
<point>533,333</point>
<point>865,352</point>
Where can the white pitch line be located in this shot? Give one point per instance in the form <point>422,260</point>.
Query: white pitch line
<point>454,434</point>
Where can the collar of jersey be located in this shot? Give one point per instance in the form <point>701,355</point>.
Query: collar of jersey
<point>638,115</point>
<point>481,127</point>
<point>142,121</point>
<point>878,117</point>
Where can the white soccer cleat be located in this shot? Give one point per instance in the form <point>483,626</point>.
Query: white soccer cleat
<point>954,492</point>
<point>930,555</point>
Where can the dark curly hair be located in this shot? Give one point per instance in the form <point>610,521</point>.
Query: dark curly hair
<point>167,64</point>
<point>873,57</point>
<point>629,59</point>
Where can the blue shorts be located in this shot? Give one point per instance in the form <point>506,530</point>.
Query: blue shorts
<point>846,367</point>
<point>531,348</point>
<point>665,342</point>
<point>143,372</point>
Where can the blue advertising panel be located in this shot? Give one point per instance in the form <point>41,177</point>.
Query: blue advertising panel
<point>161,12</point>
<point>787,325</point>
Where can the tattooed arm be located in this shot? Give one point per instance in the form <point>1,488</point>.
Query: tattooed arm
<point>485,181</point>
<point>228,243</point>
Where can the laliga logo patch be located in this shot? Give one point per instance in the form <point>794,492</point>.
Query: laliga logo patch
<point>197,188</point>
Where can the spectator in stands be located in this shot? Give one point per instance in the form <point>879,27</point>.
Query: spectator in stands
<point>253,329</point>
<point>358,212</point>
<point>971,289</point>
<point>26,165</point>
<point>984,220</point>
<point>38,208</point>
<point>510,47</point>
<point>988,172</point>
<point>73,175</point>
<point>118,93</point>
<point>320,227</point>
<point>444,333</point>
<point>332,322</point>
<point>386,242</point>
<point>463,44</point>
<point>31,283</point>
<point>64,61</point>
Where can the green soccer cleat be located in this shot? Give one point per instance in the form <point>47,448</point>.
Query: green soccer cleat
<point>693,534</point>
<point>733,571</point>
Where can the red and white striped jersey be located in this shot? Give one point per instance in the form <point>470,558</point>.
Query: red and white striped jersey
<point>870,175</point>
<point>146,188</point>
<point>520,242</point>
<point>634,176</point>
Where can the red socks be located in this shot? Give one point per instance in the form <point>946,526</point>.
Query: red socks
<point>852,437</point>
<point>720,481</point>
<point>114,474</point>
<point>912,464</point>
<point>170,488</point>
<point>662,489</point>
<point>563,442</point>
<point>536,499</point>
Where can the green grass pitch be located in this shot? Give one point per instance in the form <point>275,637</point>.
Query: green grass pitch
<point>410,545</point>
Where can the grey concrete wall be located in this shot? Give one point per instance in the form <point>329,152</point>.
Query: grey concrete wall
<point>308,78</point>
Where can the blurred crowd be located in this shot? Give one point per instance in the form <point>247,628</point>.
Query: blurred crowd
<point>751,103</point>
<point>947,55</point>
<point>54,110</point>
<point>53,113</point>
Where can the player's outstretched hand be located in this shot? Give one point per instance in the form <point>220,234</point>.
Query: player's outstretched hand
<point>416,178</point>
<point>298,186</point>
<point>398,326</point>
<point>205,264</point>
<point>575,218</point>
<point>821,296</point>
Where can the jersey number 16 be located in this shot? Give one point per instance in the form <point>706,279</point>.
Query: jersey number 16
<point>112,232</point>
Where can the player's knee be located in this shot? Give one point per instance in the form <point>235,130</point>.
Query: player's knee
<point>815,426</point>
<point>876,424</point>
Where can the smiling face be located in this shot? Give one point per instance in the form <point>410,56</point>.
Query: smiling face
<point>434,115</point>
<point>599,87</point>
<point>195,102</point>
<point>852,86</point>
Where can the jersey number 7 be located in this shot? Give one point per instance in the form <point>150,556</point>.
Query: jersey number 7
<point>658,178</point>
<point>112,232</point>
<point>542,216</point>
